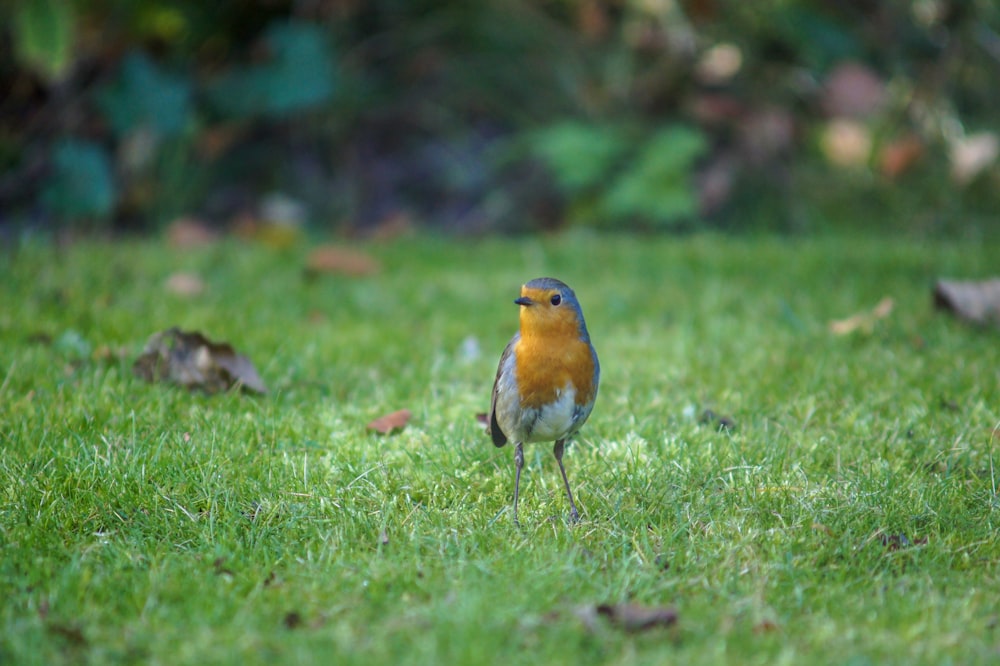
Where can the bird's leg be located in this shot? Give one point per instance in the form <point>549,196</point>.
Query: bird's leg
<point>557,450</point>
<point>518,464</point>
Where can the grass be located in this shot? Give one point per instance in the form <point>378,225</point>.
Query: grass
<point>143,523</point>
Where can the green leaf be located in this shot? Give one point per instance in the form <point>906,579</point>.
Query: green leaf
<point>143,95</point>
<point>578,154</point>
<point>657,186</point>
<point>43,36</point>
<point>82,182</point>
<point>300,75</point>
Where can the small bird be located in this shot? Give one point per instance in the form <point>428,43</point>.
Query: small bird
<point>547,379</point>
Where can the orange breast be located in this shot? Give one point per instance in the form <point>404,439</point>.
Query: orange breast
<point>546,365</point>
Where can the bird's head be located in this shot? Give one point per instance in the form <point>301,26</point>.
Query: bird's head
<point>549,307</point>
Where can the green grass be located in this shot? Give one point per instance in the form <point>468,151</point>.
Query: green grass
<point>142,523</point>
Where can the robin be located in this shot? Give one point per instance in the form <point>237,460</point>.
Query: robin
<point>547,380</point>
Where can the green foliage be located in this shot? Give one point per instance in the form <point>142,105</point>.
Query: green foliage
<point>299,75</point>
<point>579,155</point>
<point>817,39</point>
<point>144,96</point>
<point>43,32</point>
<point>621,176</point>
<point>367,110</point>
<point>82,183</point>
<point>658,186</point>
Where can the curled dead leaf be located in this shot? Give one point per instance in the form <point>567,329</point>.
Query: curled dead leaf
<point>897,157</point>
<point>188,232</point>
<point>395,421</point>
<point>636,617</point>
<point>332,259</point>
<point>864,321</point>
<point>185,284</point>
<point>190,359</point>
<point>894,542</point>
<point>766,627</point>
<point>977,302</point>
<point>717,422</point>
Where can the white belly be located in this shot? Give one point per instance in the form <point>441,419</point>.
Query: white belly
<point>555,420</point>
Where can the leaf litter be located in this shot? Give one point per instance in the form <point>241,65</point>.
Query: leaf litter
<point>975,302</point>
<point>395,421</point>
<point>190,359</point>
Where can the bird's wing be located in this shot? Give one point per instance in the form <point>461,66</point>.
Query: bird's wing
<point>499,438</point>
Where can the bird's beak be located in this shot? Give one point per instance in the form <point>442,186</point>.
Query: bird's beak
<point>524,300</point>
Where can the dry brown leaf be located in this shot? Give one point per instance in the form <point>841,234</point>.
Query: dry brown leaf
<point>766,627</point>
<point>897,157</point>
<point>190,359</point>
<point>636,617</point>
<point>978,302</point>
<point>894,542</point>
<point>394,421</point>
<point>185,284</point>
<point>339,260</point>
<point>863,320</point>
<point>187,232</point>
<point>391,227</point>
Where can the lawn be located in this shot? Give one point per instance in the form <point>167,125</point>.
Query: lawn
<point>848,515</point>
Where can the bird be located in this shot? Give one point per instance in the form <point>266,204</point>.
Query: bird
<point>547,378</point>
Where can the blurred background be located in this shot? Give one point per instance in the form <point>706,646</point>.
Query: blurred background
<point>370,118</point>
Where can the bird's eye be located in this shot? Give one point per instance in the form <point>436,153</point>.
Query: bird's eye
<point>556,299</point>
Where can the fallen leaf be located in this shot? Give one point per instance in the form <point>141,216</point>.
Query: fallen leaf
<point>897,541</point>
<point>635,617</point>
<point>483,418</point>
<point>220,569</point>
<point>765,627</point>
<point>109,354</point>
<point>72,634</point>
<point>188,232</point>
<point>293,620</point>
<point>332,259</point>
<point>863,320</point>
<point>391,227</point>
<point>190,359</point>
<point>185,284</point>
<point>977,302</point>
<point>717,421</point>
<point>39,338</point>
<point>898,156</point>
<point>394,421</point>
